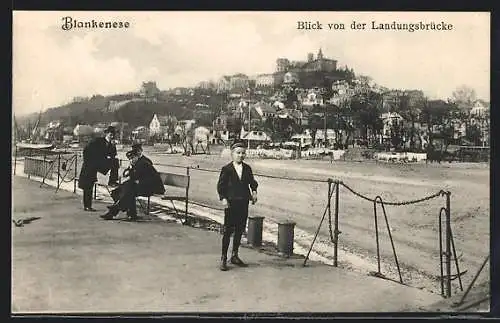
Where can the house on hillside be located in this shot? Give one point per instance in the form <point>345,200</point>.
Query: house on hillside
<point>224,84</point>
<point>99,128</point>
<point>54,131</point>
<point>238,82</point>
<point>149,91</point>
<point>312,98</point>
<point>183,125</point>
<point>54,124</point>
<point>140,134</point>
<point>390,119</point>
<point>159,125</point>
<point>265,110</point>
<point>264,80</point>
<point>300,117</point>
<point>256,138</point>
<point>220,123</point>
<point>305,138</point>
<point>217,136</point>
<point>201,135</point>
<point>480,109</point>
<point>331,137</point>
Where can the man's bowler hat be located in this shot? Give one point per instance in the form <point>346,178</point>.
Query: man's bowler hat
<point>110,129</point>
<point>131,153</point>
<point>137,146</point>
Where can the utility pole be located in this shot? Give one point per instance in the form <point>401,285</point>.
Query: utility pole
<point>324,134</point>
<point>249,116</point>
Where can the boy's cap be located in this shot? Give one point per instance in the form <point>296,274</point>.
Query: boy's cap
<point>238,144</point>
<point>110,129</point>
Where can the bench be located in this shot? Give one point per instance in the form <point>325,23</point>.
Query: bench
<point>168,179</point>
<point>174,180</point>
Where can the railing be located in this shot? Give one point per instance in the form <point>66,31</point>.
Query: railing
<point>38,166</point>
<point>66,168</point>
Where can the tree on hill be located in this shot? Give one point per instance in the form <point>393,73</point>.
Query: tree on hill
<point>366,108</point>
<point>438,115</point>
<point>234,125</point>
<point>410,107</point>
<point>464,97</point>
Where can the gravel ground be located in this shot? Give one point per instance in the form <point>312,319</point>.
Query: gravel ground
<point>414,228</point>
<point>70,261</point>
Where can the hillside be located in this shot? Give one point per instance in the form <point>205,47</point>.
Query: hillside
<point>95,110</point>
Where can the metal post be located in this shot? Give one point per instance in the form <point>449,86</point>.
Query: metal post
<point>448,245</point>
<point>187,192</point>
<point>76,172</point>
<point>376,235</point>
<point>329,205</point>
<point>460,302</point>
<point>15,159</point>
<point>29,158</point>
<point>440,220</point>
<point>336,232</point>
<point>324,134</point>
<point>58,169</point>
<point>45,173</point>
<point>249,125</point>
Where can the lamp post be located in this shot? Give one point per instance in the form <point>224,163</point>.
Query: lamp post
<point>249,116</point>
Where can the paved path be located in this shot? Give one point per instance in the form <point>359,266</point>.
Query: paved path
<point>72,261</point>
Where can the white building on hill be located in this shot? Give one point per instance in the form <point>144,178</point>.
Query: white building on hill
<point>159,124</point>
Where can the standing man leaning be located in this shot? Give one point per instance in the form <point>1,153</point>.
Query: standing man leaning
<point>98,156</point>
<point>235,181</point>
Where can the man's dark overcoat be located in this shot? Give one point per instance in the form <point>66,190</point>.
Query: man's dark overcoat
<point>97,157</point>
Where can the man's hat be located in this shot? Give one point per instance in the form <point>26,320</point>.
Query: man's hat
<point>238,144</point>
<point>137,146</point>
<point>110,129</point>
<point>131,153</point>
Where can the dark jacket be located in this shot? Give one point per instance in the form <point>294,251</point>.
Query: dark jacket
<point>230,186</point>
<point>146,159</point>
<point>97,157</point>
<point>150,181</point>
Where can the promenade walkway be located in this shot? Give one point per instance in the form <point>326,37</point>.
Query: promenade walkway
<point>69,260</point>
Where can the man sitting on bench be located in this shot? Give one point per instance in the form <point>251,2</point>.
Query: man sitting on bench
<point>138,147</point>
<point>143,180</point>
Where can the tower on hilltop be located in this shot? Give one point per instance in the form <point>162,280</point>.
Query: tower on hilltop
<point>310,57</point>
<point>320,54</point>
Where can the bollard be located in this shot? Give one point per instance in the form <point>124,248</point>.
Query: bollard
<point>285,237</point>
<point>254,236</point>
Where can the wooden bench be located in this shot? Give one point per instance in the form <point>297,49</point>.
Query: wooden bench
<point>174,180</point>
<point>168,179</point>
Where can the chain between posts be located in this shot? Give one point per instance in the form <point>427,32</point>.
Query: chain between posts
<point>430,197</point>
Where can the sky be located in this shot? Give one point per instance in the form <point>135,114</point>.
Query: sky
<point>52,65</point>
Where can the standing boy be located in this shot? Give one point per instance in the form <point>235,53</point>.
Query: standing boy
<point>235,181</point>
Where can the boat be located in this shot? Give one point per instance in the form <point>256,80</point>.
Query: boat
<point>23,145</point>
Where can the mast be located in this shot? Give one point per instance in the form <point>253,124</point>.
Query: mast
<point>35,129</point>
<point>15,135</point>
